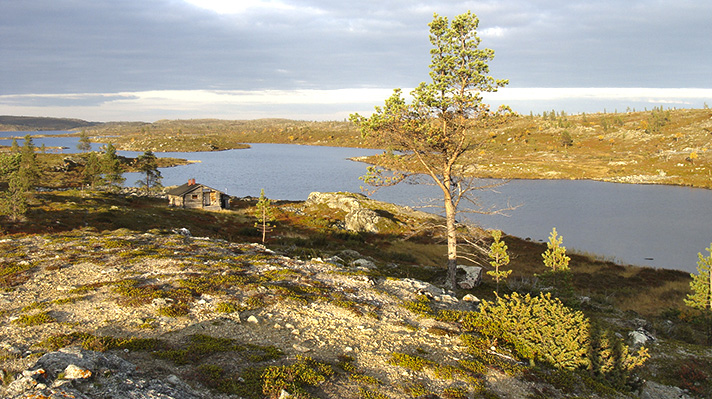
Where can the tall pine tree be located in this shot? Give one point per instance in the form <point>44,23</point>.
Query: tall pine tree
<point>148,165</point>
<point>111,168</point>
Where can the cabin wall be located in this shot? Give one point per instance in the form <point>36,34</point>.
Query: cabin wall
<point>193,200</point>
<point>201,198</point>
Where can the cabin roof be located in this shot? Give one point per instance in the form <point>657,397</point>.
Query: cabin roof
<point>186,188</point>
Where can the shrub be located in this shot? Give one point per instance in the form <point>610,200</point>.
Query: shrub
<point>610,360</point>
<point>226,307</point>
<point>293,378</point>
<point>538,328</point>
<point>34,320</point>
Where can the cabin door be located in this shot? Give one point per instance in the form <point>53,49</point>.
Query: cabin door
<point>206,199</point>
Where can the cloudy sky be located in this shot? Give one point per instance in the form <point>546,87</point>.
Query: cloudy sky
<point>146,60</point>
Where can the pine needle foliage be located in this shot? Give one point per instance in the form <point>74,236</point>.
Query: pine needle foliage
<point>555,256</point>
<point>539,328</point>
<point>701,286</point>
<point>498,258</point>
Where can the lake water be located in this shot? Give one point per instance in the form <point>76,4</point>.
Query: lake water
<point>651,225</point>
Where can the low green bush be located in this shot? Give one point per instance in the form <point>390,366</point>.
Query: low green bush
<point>538,328</point>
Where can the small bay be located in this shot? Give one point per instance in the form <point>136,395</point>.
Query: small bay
<point>650,225</point>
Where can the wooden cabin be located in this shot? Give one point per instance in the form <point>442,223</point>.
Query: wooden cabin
<point>198,196</point>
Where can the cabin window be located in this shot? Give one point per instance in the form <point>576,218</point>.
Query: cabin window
<point>194,196</point>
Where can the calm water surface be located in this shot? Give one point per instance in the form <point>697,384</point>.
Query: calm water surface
<point>661,226</point>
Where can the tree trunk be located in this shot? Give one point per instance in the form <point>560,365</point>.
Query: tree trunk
<point>264,224</point>
<point>450,213</point>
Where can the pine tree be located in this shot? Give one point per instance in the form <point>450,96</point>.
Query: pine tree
<point>499,257</point>
<point>84,143</point>
<point>14,148</point>
<point>148,164</point>
<point>91,175</point>
<point>557,262</point>
<point>111,168</point>
<point>701,286</point>
<point>446,119</point>
<point>555,256</point>
<point>29,171</point>
<point>264,215</point>
<point>13,201</point>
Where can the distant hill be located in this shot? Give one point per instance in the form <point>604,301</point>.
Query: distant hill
<point>32,123</point>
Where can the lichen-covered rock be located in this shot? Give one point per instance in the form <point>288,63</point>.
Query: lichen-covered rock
<point>111,377</point>
<point>345,202</point>
<point>362,220</point>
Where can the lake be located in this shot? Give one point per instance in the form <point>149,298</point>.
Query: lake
<point>650,225</point>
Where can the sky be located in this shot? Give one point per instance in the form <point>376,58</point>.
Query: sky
<point>145,60</point>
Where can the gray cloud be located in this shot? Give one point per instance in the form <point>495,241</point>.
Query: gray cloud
<point>106,46</point>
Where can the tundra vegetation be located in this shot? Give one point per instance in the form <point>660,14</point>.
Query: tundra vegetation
<point>555,343</point>
<point>558,324</point>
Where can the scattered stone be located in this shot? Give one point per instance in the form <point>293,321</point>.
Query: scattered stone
<point>182,231</point>
<point>414,286</point>
<point>335,260</point>
<point>449,299</point>
<point>285,395</point>
<point>640,337</point>
<point>350,253</point>
<point>300,348</point>
<point>73,372</point>
<point>252,319</point>
<point>470,298</point>
<point>365,263</point>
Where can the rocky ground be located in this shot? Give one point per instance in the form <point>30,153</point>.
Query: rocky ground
<point>162,314</point>
<point>76,284</point>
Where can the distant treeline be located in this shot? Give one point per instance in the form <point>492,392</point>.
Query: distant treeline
<point>33,123</point>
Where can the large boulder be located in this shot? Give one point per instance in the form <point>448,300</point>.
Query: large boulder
<point>471,278</point>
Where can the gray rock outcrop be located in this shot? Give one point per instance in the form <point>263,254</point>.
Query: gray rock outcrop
<point>653,390</point>
<point>77,373</point>
<point>362,220</point>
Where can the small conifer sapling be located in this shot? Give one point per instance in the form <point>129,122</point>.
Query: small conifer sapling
<point>264,215</point>
<point>498,258</point>
<point>555,255</point>
<point>701,286</point>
